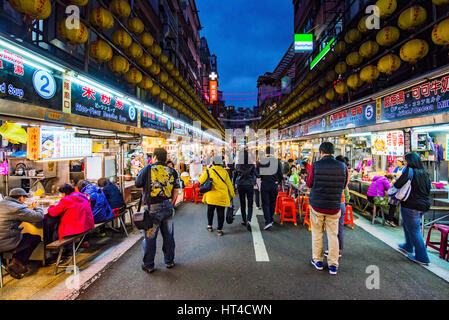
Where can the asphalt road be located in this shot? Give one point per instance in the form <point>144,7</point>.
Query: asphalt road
<point>211,267</point>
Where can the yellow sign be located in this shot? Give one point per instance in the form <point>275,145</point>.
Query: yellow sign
<point>66,95</point>
<point>33,144</point>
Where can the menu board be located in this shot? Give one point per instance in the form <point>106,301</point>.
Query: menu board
<point>389,143</point>
<point>316,126</point>
<point>179,128</point>
<point>58,144</point>
<point>352,117</point>
<point>155,121</point>
<point>425,99</point>
<point>87,101</point>
<point>24,83</point>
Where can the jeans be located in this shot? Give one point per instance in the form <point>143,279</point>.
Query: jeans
<point>414,242</point>
<point>168,247</point>
<point>220,213</point>
<point>268,194</point>
<point>246,192</point>
<point>257,197</point>
<point>26,247</point>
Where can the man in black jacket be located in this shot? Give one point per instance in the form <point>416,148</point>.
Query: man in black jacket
<point>271,177</point>
<point>245,181</point>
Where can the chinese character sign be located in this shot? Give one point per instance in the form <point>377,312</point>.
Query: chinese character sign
<point>33,143</point>
<point>352,117</point>
<point>213,88</point>
<point>388,143</point>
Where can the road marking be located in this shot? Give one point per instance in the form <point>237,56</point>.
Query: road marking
<point>259,245</point>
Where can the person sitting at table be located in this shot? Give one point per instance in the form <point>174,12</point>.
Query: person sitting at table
<point>72,215</point>
<point>13,212</point>
<point>378,186</point>
<point>99,204</point>
<point>293,178</point>
<point>112,193</point>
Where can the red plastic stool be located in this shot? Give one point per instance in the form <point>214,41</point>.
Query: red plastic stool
<point>279,196</point>
<point>306,211</point>
<point>187,193</point>
<point>304,204</point>
<point>288,205</point>
<point>349,220</point>
<point>444,229</point>
<point>198,195</point>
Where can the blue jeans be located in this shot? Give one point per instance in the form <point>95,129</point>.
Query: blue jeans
<point>341,227</point>
<point>168,246</point>
<point>414,242</point>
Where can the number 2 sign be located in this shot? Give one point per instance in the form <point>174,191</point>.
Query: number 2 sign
<point>44,84</point>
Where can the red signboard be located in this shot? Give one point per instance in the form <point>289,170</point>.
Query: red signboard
<point>213,88</point>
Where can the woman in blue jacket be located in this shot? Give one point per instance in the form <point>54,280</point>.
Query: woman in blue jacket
<point>100,207</point>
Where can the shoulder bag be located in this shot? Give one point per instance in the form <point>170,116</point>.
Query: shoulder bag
<point>207,185</point>
<point>403,193</point>
<point>230,209</point>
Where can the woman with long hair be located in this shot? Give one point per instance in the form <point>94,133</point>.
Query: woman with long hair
<point>413,209</point>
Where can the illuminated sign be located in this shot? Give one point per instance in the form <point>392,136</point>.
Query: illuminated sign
<point>322,54</point>
<point>303,42</point>
<point>213,91</point>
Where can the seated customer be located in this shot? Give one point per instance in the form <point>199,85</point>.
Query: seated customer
<point>112,193</point>
<point>13,212</point>
<point>74,212</point>
<point>98,202</point>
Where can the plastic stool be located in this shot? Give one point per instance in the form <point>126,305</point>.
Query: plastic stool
<point>349,220</point>
<point>288,205</point>
<point>187,193</point>
<point>198,195</point>
<point>279,196</point>
<point>306,211</point>
<point>442,248</point>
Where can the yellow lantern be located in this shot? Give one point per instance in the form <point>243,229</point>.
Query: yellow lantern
<point>101,19</point>
<point>146,83</point>
<point>73,35</point>
<point>118,64</point>
<point>163,59</point>
<point>412,18</point>
<point>322,100</point>
<point>362,25</point>
<point>145,61</point>
<point>79,3</point>
<point>146,39</point>
<point>369,73</point>
<point>175,89</point>
<point>156,50</point>
<point>322,83</point>
<point>353,36</point>
<point>440,34</point>
<point>134,51</point>
<point>354,59</point>
<point>163,95</point>
<point>100,51</point>
<point>121,39</point>
<point>369,49</point>
<point>386,7</point>
<point>33,9</point>
<point>163,77</point>
<point>414,50</point>
<point>341,67</point>
<point>354,81</point>
<point>155,69</point>
<point>120,8</point>
<point>170,100</point>
<point>341,88</point>
<point>133,76</point>
<point>389,63</point>
<point>388,36</point>
<point>331,76</point>
<point>308,93</point>
<point>170,66</point>
<point>135,25</point>
<point>440,2</point>
<point>155,90</point>
<point>330,94</point>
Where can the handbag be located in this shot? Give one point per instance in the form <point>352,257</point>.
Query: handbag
<point>403,193</point>
<point>230,209</point>
<point>207,185</point>
<point>142,219</point>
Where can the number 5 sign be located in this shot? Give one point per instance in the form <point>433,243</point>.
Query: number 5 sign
<point>44,84</point>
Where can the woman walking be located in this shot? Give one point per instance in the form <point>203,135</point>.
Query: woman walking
<point>414,208</point>
<point>245,181</point>
<point>219,197</point>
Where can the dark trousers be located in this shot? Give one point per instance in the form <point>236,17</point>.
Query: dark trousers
<point>268,194</point>
<point>50,229</point>
<point>26,247</point>
<point>246,193</point>
<point>391,212</point>
<point>220,213</point>
<point>257,197</point>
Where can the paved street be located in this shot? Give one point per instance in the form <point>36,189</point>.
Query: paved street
<point>209,267</point>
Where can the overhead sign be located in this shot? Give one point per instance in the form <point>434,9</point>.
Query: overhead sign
<point>213,88</point>
<point>27,83</point>
<point>352,117</point>
<point>179,128</point>
<point>303,42</point>
<point>321,54</point>
<point>60,144</point>
<point>155,121</point>
<point>425,99</point>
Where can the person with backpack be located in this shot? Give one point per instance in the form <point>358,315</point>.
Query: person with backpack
<point>245,181</point>
<point>160,185</point>
<point>414,207</point>
<point>218,198</point>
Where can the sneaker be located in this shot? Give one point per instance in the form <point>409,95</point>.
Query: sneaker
<point>402,250</point>
<point>151,232</point>
<point>210,229</point>
<point>148,270</point>
<point>248,227</point>
<point>102,234</point>
<point>243,223</point>
<point>411,257</point>
<point>169,265</point>
<point>318,265</point>
<point>268,226</point>
<point>333,269</point>
<point>220,233</point>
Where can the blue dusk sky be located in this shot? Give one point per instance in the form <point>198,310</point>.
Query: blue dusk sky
<point>249,38</point>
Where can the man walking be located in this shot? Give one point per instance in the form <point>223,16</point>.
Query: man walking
<point>160,185</point>
<point>270,172</point>
<point>327,178</point>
